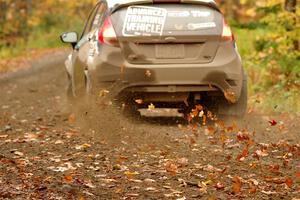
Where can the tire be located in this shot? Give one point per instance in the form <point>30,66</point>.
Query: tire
<point>237,109</point>
<point>79,85</point>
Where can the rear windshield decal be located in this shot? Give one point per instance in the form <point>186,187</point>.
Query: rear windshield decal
<point>177,14</point>
<point>198,13</point>
<point>186,13</point>
<point>144,21</point>
<point>197,26</point>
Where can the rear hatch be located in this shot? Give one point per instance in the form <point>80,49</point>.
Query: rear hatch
<point>168,33</point>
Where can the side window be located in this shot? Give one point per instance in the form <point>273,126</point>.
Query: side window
<point>95,18</point>
<point>100,16</point>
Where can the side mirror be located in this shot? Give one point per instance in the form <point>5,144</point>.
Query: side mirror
<point>69,37</point>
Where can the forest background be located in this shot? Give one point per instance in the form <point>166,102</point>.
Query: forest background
<point>267,34</point>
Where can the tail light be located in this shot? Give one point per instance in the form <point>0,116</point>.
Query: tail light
<point>107,34</point>
<point>227,33</point>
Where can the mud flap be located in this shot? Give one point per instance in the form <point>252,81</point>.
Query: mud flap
<point>237,109</point>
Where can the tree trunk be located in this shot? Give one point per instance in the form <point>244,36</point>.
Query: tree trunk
<point>290,5</point>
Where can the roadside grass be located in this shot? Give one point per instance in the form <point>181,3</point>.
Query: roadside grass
<point>262,98</point>
<point>41,40</point>
<point>38,39</point>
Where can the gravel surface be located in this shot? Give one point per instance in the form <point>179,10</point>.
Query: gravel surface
<point>48,151</point>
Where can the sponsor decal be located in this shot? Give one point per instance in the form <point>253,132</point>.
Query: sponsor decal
<point>144,21</point>
<point>198,13</point>
<point>178,14</point>
<point>186,13</point>
<point>197,26</point>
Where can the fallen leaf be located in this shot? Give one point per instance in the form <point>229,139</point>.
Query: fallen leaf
<point>210,168</point>
<point>236,185</point>
<point>18,153</point>
<point>171,167</point>
<point>90,185</point>
<point>261,153</point>
<point>243,155</point>
<point>212,198</point>
<point>68,178</point>
<point>268,192</point>
<point>83,146</point>
<point>132,195</point>
<point>274,168</point>
<point>183,162</point>
<point>150,189</point>
<point>289,182</point>
<point>203,187</point>
<point>148,180</point>
<point>276,180</point>
<point>130,175</point>
<point>108,180</point>
<point>252,188</point>
<point>59,142</point>
<point>30,137</point>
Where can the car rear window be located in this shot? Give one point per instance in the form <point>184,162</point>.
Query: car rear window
<point>166,19</point>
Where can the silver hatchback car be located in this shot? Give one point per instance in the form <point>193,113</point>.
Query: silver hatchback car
<point>164,52</point>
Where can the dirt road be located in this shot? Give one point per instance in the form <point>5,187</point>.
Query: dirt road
<point>47,152</point>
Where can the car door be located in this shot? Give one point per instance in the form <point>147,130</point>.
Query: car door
<point>79,57</point>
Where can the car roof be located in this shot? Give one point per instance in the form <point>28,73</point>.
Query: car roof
<point>114,3</point>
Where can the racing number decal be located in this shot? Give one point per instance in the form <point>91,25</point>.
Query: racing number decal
<point>144,21</point>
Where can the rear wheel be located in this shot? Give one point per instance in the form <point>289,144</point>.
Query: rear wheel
<point>237,109</point>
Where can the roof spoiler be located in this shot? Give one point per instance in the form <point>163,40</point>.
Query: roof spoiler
<point>209,3</point>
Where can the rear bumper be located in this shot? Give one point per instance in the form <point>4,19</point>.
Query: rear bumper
<point>225,73</point>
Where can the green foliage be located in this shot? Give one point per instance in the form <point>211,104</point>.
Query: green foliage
<point>271,56</point>
<point>37,24</point>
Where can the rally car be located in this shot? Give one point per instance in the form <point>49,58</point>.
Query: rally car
<point>163,52</point>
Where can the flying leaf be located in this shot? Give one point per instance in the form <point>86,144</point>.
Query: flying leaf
<point>151,106</point>
<point>139,101</point>
<point>71,118</point>
<point>273,122</point>
<point>241,136</point>
<point>103,93</point>
<point>219,186</point>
